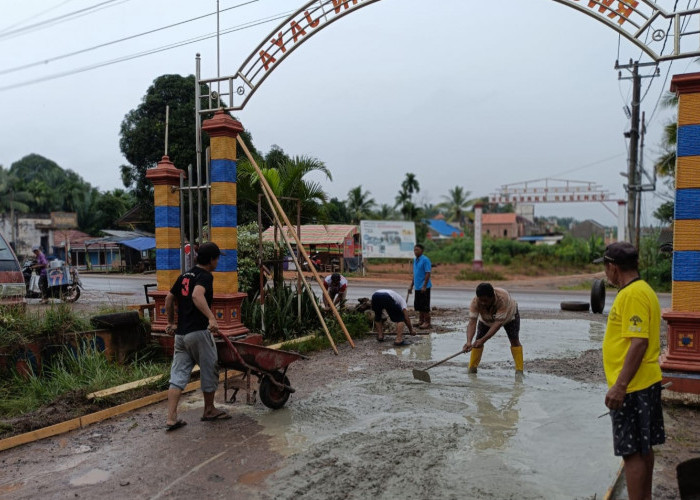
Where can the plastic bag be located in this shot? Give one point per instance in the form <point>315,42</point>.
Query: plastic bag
<point>34,283</point>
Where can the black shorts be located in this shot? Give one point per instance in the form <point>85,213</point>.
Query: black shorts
<point>383,301</point>
<point>421,302</point>
<point>512,328</point>
<point>639,424</point>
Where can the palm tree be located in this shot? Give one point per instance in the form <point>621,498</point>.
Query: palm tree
<point>12,199</point>
<point>287,180</point>
<point>359,204</point>
<point>665,164</point>
<point>456,203</point>
<point>404,199</point>
<point>410,185</point>
<point>385,212</point>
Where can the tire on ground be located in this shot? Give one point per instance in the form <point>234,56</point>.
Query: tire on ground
<point>272,396</point>
<point>598,296</point>
<point>574,306</point>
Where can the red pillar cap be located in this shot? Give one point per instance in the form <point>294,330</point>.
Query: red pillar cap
<point>222,125</point>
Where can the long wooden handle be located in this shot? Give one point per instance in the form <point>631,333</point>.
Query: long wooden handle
<point>446,359</point>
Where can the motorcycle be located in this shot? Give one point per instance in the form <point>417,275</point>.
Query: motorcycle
<point>315,260</point>
<point>63,281</point>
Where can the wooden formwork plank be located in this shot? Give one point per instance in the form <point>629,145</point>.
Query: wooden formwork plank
<point>42,433</point>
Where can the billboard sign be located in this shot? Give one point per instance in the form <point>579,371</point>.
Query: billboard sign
<point>387,239</point>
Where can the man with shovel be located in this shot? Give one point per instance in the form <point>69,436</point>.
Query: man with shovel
<point>491,309</point>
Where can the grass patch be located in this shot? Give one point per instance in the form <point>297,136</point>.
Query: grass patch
<point>485,275</point>
<point>357,325</point>
<point>68,374</point>
<point>18,327</point>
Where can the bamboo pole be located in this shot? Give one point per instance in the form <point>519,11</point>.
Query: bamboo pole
<point>269,194</point>
<point>296,263</point>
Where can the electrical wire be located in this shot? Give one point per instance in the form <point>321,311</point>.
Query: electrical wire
<point>39,14</point>
<point>175,45</point>
<point>587,165</point>
<point>60,19</point>
<point>113,42</point>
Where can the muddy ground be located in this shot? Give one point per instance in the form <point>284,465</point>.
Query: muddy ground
<point>130,456</point>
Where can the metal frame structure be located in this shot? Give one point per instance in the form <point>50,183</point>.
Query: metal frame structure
<point>570,191</point>
<point>643,22</point>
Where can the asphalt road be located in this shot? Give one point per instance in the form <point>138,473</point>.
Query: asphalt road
<point>129,288</point>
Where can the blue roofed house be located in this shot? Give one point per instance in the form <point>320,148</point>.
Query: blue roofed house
<point>439,229</point>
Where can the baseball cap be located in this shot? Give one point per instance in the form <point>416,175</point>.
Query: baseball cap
<point>620,252</point>
<point>209,250</point>
<point>36,247</point>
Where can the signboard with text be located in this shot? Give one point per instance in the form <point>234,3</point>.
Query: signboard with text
<point>387,239</point>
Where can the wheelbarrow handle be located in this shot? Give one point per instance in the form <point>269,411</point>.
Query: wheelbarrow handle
<point>236,353</point>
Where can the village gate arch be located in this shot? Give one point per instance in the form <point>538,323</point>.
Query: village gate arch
<point>661,33</point>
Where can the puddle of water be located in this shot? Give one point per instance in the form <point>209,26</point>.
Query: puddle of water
<point>93,476</point>
<point>540,339</point>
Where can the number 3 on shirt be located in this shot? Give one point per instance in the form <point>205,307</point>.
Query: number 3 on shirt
<point>185,287</point>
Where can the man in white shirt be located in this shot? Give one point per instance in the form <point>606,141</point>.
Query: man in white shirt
<point>395,307</point>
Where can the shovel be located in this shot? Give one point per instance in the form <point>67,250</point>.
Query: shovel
<point>424,375</point>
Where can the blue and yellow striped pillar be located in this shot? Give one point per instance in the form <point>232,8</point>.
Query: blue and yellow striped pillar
<point>686,226</point>
<point>223,130</point>
<point>680,363</point>
<point>166,180</point>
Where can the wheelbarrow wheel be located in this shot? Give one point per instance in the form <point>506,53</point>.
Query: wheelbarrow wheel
<point>272,396</point>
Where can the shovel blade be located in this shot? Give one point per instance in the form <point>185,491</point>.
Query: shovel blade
<point>421,375</point>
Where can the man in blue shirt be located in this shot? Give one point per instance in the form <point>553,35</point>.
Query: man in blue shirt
<point>421,281</point>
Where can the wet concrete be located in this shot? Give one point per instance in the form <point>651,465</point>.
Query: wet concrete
<point>489,435</point>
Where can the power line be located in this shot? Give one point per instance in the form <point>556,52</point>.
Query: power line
<point>45,11</point>
<point>113,42</point>
<point>240,27</point>
<point>587,165</point>
<point>59,19</point>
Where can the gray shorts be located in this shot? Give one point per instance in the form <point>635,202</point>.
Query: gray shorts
<point>195,348</point>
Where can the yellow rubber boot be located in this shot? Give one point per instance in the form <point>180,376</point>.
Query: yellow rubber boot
<point>517,353</point>
<point>475,358</point>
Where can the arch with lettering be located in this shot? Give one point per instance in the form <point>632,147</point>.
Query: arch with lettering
<point>663,35</point>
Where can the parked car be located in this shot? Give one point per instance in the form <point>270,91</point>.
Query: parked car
<point>12,287</point>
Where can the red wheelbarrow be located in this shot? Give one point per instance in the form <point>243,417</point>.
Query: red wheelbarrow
<point>250,357</point>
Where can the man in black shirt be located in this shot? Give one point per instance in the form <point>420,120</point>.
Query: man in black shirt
<point>194,342</point>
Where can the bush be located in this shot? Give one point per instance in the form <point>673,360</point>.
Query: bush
<point>282,320</point>
<point>248,258</point>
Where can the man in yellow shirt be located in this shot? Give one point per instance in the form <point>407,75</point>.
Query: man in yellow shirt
<point>631,350</point>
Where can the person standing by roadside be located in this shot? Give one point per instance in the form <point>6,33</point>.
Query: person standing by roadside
<point>194,342</point>
<point>42,264</point>
<point>421,281</point>
<point>491,309</point>
<point>631,349</point>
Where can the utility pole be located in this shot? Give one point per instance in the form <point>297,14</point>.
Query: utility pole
<point>634,176</point>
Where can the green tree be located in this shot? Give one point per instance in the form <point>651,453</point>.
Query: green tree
<point>359,204</point>
<point>337,212</point>
<point>288,181</point>
<point>404,200</point>
<point>142,134</point>
<point>385,212</point>
<point>665,164</point>
<point>12,199</point>
<point>456,203</point>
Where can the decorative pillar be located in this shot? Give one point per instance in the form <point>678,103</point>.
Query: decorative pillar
<point>477,264</point>
<point>621,222</point>
<point>223,130</point>
<point>680,363</point>
<point>166,181</point>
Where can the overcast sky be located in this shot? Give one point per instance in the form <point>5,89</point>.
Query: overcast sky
<point>468,93</point>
